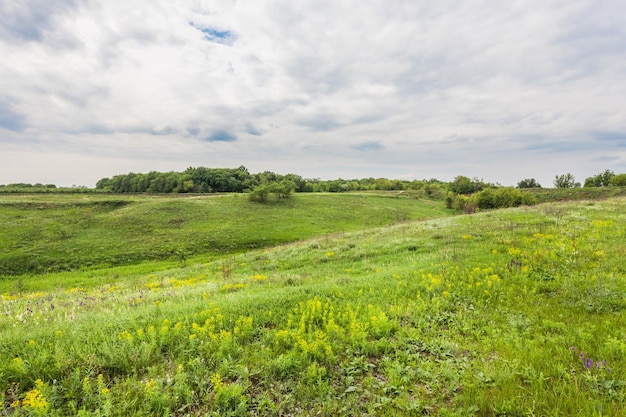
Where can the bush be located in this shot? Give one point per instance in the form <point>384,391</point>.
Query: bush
<point>601,180</point>
<point>282,189</point>
<point>465,203</point>
<point>528,183</point>
<point>565,181</point>
<point>464,185</point>
<point>618,180</point>
<point>502,198</point>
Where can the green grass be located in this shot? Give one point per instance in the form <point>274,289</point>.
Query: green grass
<point>544,195</point>
<point>51,233</point>
<point>516,312</point>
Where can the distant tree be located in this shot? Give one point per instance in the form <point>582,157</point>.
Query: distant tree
<point>618,180</point>
<point>302,185</point>
<point>528,183</point>
<point>464,185</point>
<point>602,179</point>
<point>104,183</point>
<point>565,181</point>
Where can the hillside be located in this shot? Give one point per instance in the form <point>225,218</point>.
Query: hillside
<point>511,312</point>
<point>50,233</point>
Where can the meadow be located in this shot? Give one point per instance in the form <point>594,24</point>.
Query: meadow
<point>516,312</point>
<point>44,233</point>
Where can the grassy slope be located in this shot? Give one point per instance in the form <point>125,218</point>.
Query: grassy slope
<point>48,233</point>
<point>516,312</point>
<point>574,194</point>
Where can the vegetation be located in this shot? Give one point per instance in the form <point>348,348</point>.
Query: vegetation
<point>51,233</point>
<point>565,181</point>
<point>618,180</point>
<point>600,180</point>
<point>237,180</point>
<point>282,189</point>
<point>464,185</point>
<point>511,312</point>
<point>41,188</point>
<point>528,183</point>
<point>544,195</point>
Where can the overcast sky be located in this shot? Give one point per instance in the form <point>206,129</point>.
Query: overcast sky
<point>500,90</point>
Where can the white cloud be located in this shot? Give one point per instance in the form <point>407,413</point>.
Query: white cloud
<point>501,90</point>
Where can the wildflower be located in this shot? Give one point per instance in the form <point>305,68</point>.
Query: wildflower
<point>34,398</point>
<point>216,380</point>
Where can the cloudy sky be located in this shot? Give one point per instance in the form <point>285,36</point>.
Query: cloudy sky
<point>500,90</point>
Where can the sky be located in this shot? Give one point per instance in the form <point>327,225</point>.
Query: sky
<point>415,89</point>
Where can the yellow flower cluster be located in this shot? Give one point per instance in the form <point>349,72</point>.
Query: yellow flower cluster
<point>232,287</point>
<point>34,399</point>
<point>315,325</point>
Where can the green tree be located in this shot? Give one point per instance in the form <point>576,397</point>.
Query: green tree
<point>602,179</point>
<point>464,185</point>
<point>618,180</point>
<point>565,181</point>
<point>260,193</point>
<point>528,183</point>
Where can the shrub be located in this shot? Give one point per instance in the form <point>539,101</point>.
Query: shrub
<point>618,180</point>
<point>464,185</point>
<point>565,181</point>
<point>501,198</point>
<point>465,203</point>
<point>601,180</point>
<point>528,183</point>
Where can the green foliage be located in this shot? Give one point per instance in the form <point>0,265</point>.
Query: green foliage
<point>565,181</point>
<point>260,193</point>
<point>465,203</point>
<point>618,180</point>
<point>511,312</point>
<point>199,180</point>
<point>42,189</point>
<point>228,180</point>
<point>574,194</point>
<point>465,185</point>
<point>602,179</point>
<point>528,183</point>
<point>492,198</point>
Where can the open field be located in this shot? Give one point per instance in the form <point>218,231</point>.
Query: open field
<point>517,312</point>
<point>49,233</point>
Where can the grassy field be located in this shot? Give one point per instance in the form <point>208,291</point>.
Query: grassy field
<point>50,233</point>
<point>517,312</point>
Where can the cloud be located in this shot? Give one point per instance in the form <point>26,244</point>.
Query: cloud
<point>10,119</point>
<point>221,136</point>
<point>368,146</point>
<point>251,129</point>
<point>320,122</point>
<point>535,89</point>
<point>29,21</point>
<point>606,158</point>
<point>617,139</point>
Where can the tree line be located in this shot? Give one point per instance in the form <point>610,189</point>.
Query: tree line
<point>462,193</point>
<point>238,180</point>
